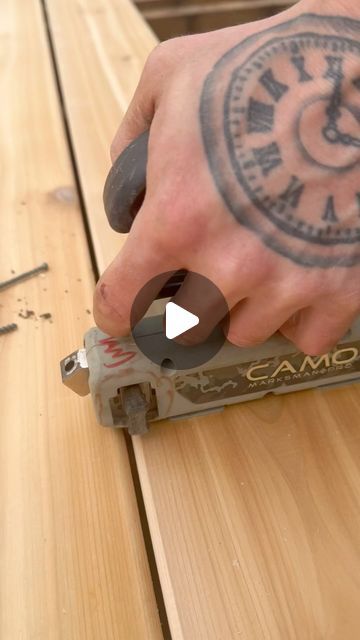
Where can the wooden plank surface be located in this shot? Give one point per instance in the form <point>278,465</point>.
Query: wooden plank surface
<point>72,558</point>
<point>103,43</point>
<point>254,513</point>
<point>243,4</point>
<point>194,8</point>
<point>255,516</point>
<point>170,18</point>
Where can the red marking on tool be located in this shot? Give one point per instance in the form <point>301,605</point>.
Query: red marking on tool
<point>112,346</point>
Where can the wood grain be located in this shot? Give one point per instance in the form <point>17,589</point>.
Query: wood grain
<point>171,18</point>
<point>103,43</point>
<point>243,4</point>
<point>195,8</point>
<point>256,518</point>
<point>72,558</point>
<point>255,512</point>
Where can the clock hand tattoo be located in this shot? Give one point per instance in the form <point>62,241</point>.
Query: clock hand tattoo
<point>333,135</point>
<point>331,131</point>
<point>280,120</point>
<point>335,74</point>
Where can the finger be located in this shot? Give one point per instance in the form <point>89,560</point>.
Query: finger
<point>141,259</point>
<point>255,320</point>
<point>229,279</point>
<point>316,331</point>
<point>203,298</point>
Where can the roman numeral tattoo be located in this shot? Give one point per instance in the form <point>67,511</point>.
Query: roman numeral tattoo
<point>268,158</point>
<point>274,88</point>
<point>292,194</point>
<point>329,214</point>
<point>335,68</point>
<point>260,117</point>
<point>299,63</point>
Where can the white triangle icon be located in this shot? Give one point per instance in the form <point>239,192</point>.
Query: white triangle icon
<point>178,320</point>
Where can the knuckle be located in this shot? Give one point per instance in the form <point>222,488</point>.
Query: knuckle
<point>300,284</point>
<point>162,245</point>
<point>154,55</point>
<point>247,265</point>
<point>169,53</point>
<point>159,56</point>
<point>178,228</point>
<point>167,46</point>
<point>298,293</point>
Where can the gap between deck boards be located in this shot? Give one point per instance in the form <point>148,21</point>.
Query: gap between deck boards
<point>129,445</point>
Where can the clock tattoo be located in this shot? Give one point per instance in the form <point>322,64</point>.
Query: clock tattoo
<point>280,120</point>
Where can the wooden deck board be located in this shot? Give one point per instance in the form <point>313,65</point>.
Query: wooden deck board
<point>254,513</point>
<point>72,558</point>
<point>256,518</point>
<point>103,45</point>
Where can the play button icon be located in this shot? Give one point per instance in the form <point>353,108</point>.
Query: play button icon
<point>185,328</point>
<point>178,320</point>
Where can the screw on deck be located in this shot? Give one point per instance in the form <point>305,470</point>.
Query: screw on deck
<point>8,328</point>
<point>24,276</point>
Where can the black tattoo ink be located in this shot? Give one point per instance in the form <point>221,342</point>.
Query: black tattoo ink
<point>260,117</point>
<point>268,158</point>
<point>329,214</point>
<point>274,88</point>
<point>296,138</point>
<point>299,63</point>
<point>292,194</point>
<point>334,71</point>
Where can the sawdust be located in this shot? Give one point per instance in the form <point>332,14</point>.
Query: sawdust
<point>29,313</point>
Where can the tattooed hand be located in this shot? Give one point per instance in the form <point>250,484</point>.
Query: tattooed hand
<point>253,176</point>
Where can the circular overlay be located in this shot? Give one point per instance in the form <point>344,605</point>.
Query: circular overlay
<point>193,347</point>
<point>280,116</point>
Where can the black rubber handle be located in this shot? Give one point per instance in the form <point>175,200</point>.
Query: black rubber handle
<point>125,185</point>
<point>124,193</point>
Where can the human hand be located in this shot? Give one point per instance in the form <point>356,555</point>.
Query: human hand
<point>243,185</point>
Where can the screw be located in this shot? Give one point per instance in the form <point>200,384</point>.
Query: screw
<point>8,328</point>
<point>24,276</point>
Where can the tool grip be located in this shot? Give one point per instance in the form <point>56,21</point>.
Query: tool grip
<point>125,185</point>
<point>124,194</point>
